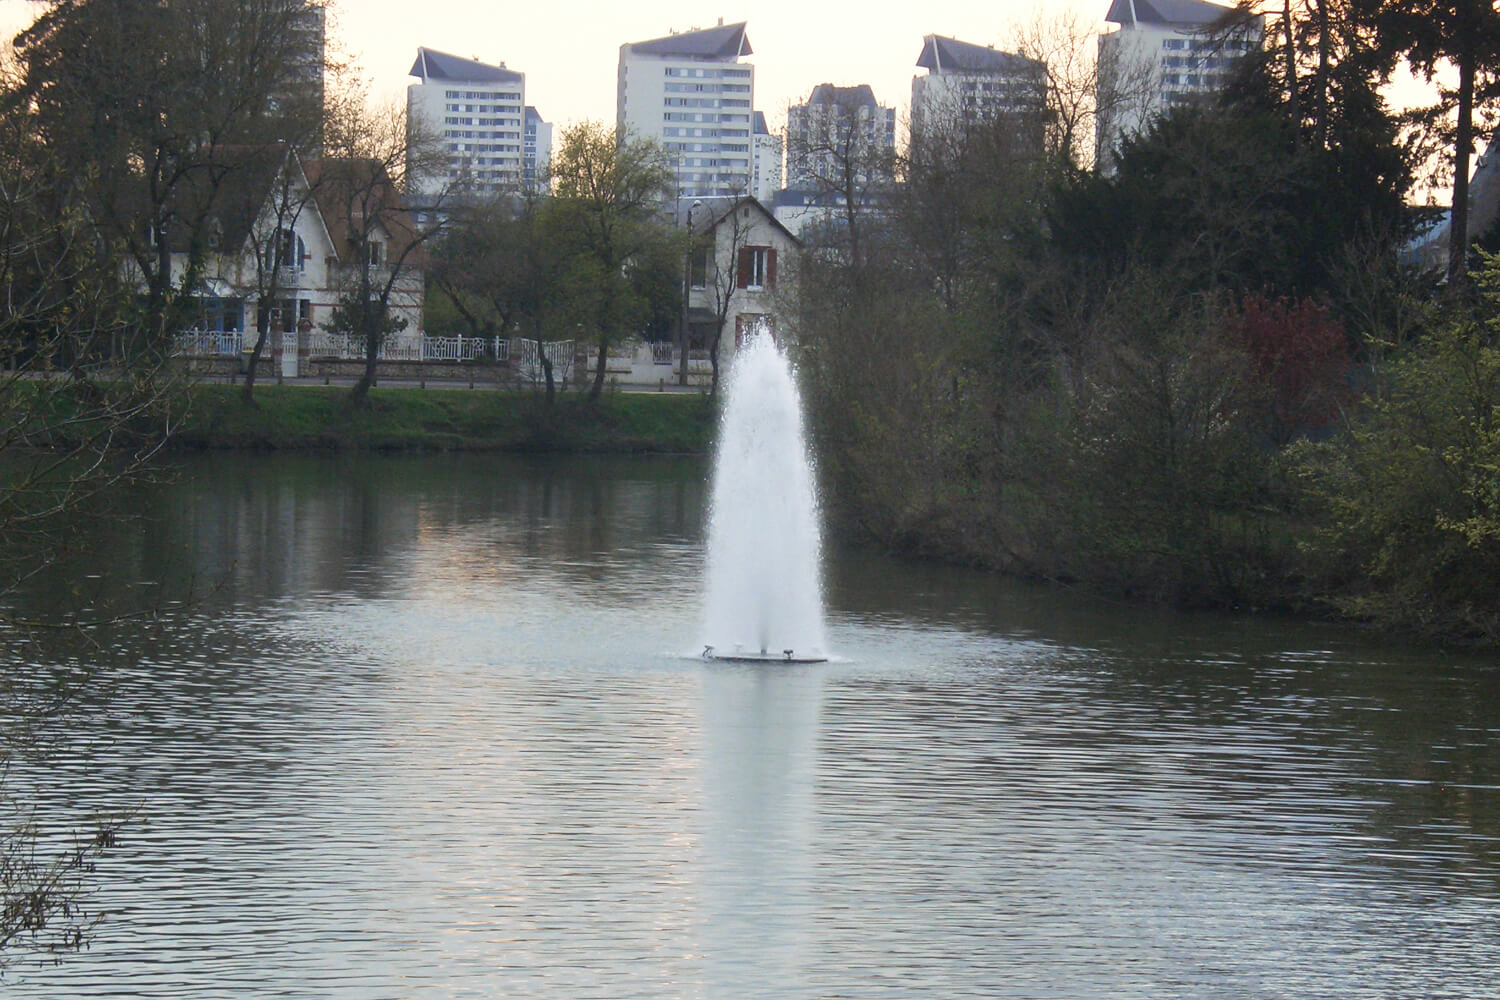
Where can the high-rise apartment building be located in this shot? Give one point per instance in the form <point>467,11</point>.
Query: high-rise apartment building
<point>304,91</point>
<point>967,83</point>
<point>835,129</point>
<point>478,113</point>
<point>765,170</point>
<point>690,92</point>
<point>536,157</point>
<point>1163,53</point>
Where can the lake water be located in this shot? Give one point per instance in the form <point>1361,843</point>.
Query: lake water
<point>433,727</point>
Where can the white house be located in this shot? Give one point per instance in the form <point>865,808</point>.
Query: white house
<point>735,272</point>
<point>280,256</point>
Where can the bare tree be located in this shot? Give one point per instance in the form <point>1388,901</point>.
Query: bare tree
<point>360,186</point>
<point>1086,83</point>
<point>717,270</point>
<point>839,151</point>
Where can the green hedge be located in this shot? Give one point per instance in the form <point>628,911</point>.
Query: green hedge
<point>305,417</point>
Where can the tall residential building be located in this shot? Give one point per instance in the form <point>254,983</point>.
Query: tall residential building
<point>537,156</point>
<point>765,171</point>
<point>967,83</point>
<point>834,124</point>
<point>477,111</point>
<point>1164,53</point>
<point>691,93</point>
<point>305,88</point>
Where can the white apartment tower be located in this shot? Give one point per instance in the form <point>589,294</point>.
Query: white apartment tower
<point>690,92</point>
<point>967,83</point>
<point>765,171</point>
<point>1164,53</point>
<point>537,155</point>
<point>479,113</point>
<point>839,122</point>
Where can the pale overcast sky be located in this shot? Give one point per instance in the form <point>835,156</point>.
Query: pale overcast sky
<point>569,51</point>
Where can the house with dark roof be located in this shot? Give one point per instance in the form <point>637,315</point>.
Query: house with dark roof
<point>691,92</point>
<point>282,236</point>
<point>1163,54</point>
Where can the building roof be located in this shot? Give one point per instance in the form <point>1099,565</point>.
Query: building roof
<point>345,188</point>
<point>758,124</point>
<point>434,65</point>
<point>725,41</point>
<point>861,96</point>
<point>226,193</point>
<point>1181,13</point>
<point>949,55</point>
<point>708,213</point>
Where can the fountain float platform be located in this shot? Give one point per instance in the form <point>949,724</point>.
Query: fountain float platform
<point>764,656</point>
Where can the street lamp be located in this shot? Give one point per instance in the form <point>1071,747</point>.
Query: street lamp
<point>687,290</point>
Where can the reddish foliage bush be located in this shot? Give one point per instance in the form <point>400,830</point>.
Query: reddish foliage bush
<point>1301,356</point>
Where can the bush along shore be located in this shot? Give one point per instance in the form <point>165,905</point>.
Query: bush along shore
<point>313,418</point>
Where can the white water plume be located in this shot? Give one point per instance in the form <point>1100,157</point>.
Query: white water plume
<point>763,592</point>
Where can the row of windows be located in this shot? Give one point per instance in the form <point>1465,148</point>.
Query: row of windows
<point>1197,62</point>
<point>482,95</point>
<point>699,116</point>
<point>512,108</point>
<point>691,102</point>
<point>1199,44</point>
<point>482,147</point>
<point>709,161</point>
<point>704,74</point>
<point>706,133</point>
<point>1192,80</point>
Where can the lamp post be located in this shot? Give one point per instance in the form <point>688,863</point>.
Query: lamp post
<point>687,290</point>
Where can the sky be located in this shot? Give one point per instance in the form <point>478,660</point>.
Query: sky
<point>570,51</point>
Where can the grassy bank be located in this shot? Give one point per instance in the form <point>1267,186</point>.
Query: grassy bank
<point>288,417</point>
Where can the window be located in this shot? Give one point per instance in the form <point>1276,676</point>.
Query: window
<point>284,250</point>
<point>757,268</point>
<point>375,251</point>
<point>701,266</point>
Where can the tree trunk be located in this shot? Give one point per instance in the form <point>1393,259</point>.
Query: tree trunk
<point>1291,67</point>
<point>263,332</point>
<point>597,389</point>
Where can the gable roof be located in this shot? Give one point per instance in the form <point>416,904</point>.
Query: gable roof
<point>226,193</point>
<point>1181,13</point>
<point>726,41</point>
<point>949,55</point>
<point>719,209</point>
<point>434,65</point>
<point>861,96</point>
<point>343,187</point>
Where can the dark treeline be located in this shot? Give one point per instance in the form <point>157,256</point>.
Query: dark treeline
<point>1214,376</point>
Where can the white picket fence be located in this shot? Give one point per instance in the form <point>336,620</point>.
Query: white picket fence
<point>350,347</point>
<point>208,344</point>
<point>529,354</point>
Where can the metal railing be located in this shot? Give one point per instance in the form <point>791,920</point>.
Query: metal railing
<point>529,354</point>
<point>320,343</point>
<point>208,343</point>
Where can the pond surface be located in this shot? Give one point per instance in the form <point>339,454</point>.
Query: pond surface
<point>433,728</point>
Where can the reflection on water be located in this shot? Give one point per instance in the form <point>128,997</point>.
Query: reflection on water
<point>428,730</point>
